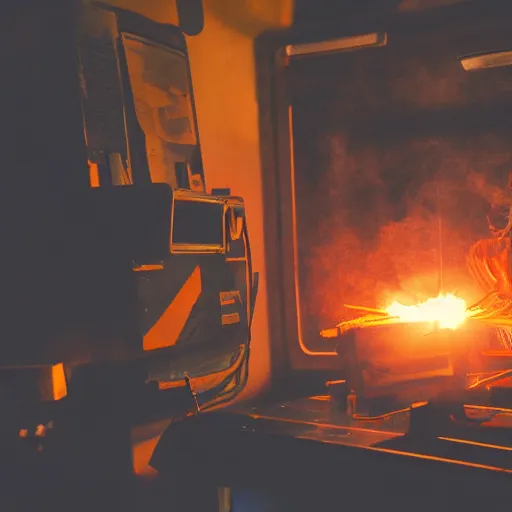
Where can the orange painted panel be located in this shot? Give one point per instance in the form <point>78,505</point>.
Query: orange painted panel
<point>167,330</point>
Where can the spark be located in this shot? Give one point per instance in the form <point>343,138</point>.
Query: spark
<point>446,311</point>
<point>489,262</point>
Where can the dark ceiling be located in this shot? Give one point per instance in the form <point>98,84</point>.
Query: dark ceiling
<point>318,12</point>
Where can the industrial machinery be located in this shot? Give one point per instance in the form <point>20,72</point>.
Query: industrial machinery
<point>130,292</point>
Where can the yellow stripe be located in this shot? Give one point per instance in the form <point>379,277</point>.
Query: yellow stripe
<point>166,332</point>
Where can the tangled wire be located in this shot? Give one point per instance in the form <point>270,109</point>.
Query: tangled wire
<point>489,262</point>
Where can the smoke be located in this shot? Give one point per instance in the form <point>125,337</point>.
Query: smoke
<point>395,222</point>
<point>496,196</point>
<point>400,157</point>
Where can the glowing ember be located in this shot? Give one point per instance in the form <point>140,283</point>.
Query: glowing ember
<point>447,311</point>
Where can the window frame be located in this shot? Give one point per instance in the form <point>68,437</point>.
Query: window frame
<point>277,157</point>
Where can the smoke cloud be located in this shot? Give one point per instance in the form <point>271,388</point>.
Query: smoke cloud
<point>395,222</point>
<point>400,156</point>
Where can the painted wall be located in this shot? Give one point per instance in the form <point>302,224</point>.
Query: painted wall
<point>223,72</point>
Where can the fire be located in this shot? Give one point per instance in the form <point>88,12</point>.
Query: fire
<point>489,263</point>
<point>446,311</point>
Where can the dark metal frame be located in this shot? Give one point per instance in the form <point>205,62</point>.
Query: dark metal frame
<point>276,158</point>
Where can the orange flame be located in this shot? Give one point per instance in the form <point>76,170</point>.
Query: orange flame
<point>446,311</point>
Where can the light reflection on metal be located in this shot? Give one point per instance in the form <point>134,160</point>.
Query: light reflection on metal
<point>497,59</point>
<point>230,297</point>
<point>59,382</point>
<point>485,381</point>
<point>376,39</point>
<point>236,223</point>
<point>41,382</point>
<point>148,268</point>
<point>230,319</point>
<point>301,341</point>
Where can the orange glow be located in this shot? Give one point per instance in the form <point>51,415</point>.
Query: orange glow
<point>149,268</point>
<point>489,265</point>
<point>166,332</point>
<point>60,388</point>
<point>94,175</point>
<point>446,311</point>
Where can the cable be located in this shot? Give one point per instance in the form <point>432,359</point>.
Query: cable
<point>240,374</point>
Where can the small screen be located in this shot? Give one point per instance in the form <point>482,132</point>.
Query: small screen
<point>198,223</point>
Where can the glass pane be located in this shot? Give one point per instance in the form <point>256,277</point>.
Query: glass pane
<point>400,156</point>
<point>198,224</point>
<point>161,89</point>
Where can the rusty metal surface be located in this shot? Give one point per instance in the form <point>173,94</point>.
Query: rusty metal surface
<point>316,418</point>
